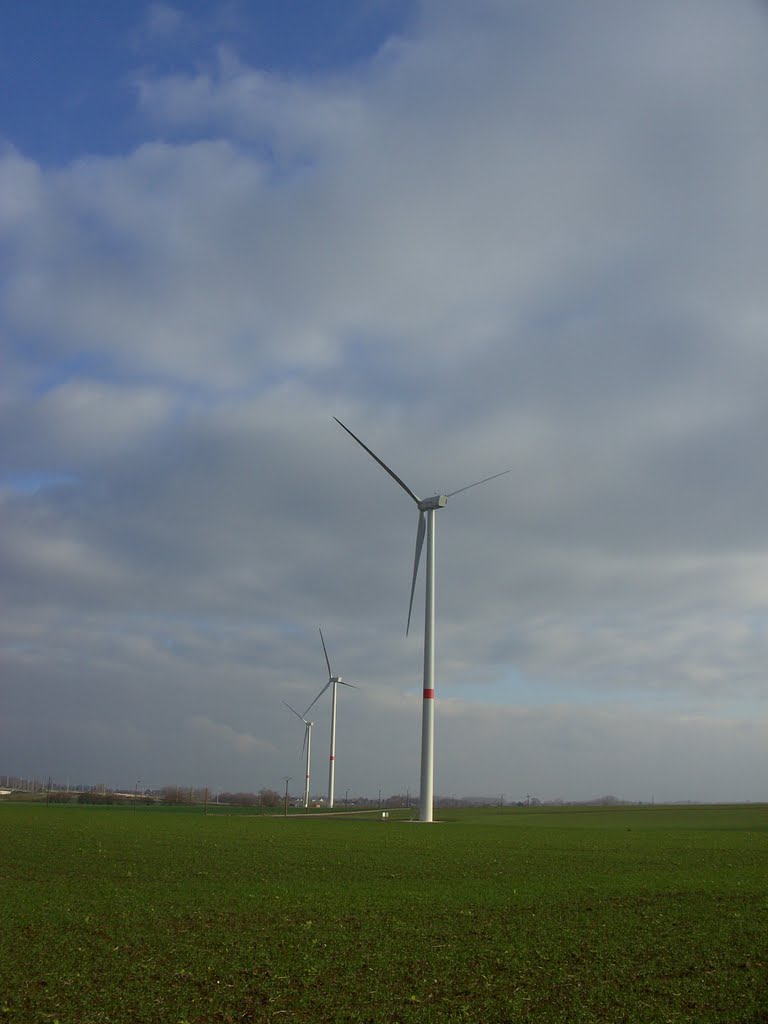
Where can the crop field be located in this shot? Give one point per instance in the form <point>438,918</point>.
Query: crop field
<point>500,915</point>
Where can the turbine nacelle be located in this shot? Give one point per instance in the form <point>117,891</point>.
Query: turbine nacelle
<point>438,501</point>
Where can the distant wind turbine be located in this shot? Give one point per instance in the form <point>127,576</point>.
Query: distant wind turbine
<point>333,681</point>
<point>427,508</point>
<point>306,745</point>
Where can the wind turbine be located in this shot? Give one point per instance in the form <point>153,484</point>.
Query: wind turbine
<point>333,681</point>
<point>427,508</point>
<point>306,745</point>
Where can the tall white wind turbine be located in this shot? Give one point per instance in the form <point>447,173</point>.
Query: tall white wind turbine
<point>333,681</point>
<point>427,508</point>
<point>306,745</point>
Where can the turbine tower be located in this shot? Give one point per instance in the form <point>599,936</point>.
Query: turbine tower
<point>306,745</point>
<point>427,508</point>
<point>333,681</point>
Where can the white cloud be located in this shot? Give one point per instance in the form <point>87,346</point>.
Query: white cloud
<point>297,120</point>
<point>79,422</point>
<point>163,20</point>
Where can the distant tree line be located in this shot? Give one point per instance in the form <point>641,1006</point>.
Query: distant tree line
<point>107,797</point>
<point>24,787</point>
<point>264,798</point>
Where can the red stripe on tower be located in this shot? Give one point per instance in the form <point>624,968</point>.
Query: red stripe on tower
<point>333,757</point>
<point>429,694</point>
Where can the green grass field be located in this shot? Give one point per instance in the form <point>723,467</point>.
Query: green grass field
<point>647,914</point>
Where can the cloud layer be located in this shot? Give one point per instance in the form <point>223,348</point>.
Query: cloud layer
<point>527,237</point>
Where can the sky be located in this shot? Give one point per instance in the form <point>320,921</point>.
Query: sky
<point>488,236</point>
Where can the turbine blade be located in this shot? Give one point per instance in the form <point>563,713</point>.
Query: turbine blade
<point>417,556</point>
<point>317,698</point>
<point>478,482</point>
<point>293,710</point>
<point>352,685</point>
<point>304,744</point>
<point>325,652</point>
<point>383,465</point>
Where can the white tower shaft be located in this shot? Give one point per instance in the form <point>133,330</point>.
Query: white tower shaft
<point>332,761</point>
<point>426,792</point>
<point>309,752</point>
